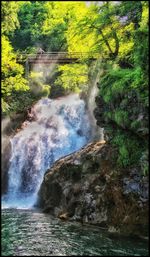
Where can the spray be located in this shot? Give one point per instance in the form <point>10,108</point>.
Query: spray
<point>97,132</point>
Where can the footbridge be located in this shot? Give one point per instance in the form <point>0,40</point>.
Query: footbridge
<point>31,61</point>
<point>56,57</point>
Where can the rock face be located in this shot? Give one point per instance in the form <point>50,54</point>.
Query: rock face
<point>86,186</point>
<point>137,121</point>
<point>10,126</point>
<point>5,157</point>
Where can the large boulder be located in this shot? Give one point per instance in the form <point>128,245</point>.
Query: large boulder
<point>87,186</point>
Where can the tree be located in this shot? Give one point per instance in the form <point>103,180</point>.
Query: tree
<point>9,10</point>
<point>104,28</point>
<point>73,78</point>
<point>12,72</point>
<point>29,34</point>
<point>58,18</point>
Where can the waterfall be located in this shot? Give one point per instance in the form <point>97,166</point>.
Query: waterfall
<point>57,128</point>
<point>97,132</point>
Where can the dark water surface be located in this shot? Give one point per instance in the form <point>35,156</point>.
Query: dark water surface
<point>31,233</point>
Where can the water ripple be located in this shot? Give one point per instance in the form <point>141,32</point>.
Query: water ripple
<point>31,233</point>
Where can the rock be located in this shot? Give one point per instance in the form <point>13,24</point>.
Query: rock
<point>112,229</point>
<point>97,189</point>
<point>63,216</point>
<point>85,186</point>
<point>143,131</point>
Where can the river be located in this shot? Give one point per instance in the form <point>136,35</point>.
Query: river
<point>33,233</point>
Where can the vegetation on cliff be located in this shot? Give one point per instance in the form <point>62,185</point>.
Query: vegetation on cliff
<point>123,88</point>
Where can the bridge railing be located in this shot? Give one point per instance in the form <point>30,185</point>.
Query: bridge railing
<point>58,56</point>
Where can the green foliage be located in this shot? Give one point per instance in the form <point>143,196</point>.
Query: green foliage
<point>56,24</point>
<point>12,74</point>
<point>119,81</point>
<point>115,83</point>
<point>136,124</point>
<point>144,162</point>
<point>20,101</point>
<point>45,24</point>
<point>73,77</point>
<point>129,149</point>
<point>121,118</point>
<point>37,86</point>
<point>4,106</point>
<point>123,159</point>
<point>45,90</point>
<point>9,17</point>
<point>31,16</point>
<point>117,31</point>
<point>124,82</point>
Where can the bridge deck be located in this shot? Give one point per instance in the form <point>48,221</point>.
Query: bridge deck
<point>57,57</point>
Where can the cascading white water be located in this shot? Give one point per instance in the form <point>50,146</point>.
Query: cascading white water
<point>59,128</point>
<point>97,132</point>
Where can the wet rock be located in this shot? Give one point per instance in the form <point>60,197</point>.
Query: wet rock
<point>112,229</point>
<point>63,216</point>
<point>97,189</point>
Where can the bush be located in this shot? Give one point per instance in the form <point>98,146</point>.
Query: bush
<point>129,148</point>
